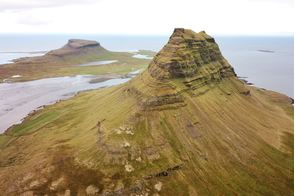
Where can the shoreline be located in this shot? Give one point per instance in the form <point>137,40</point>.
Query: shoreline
<point>14,117</point>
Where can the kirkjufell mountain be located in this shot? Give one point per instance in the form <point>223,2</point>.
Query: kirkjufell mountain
<point>185,126</point>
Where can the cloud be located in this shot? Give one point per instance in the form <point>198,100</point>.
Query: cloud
<point>30,20</point>
<point>7,5</point>
<point>238,17</point>
<point>284,2</point>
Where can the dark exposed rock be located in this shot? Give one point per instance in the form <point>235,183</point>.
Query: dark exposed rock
<point>247,92</point>
<point>163,100</point>
<point>164,173</point>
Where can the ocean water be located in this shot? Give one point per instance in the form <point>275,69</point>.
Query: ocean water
<point>142,56</point>
<point>271,70</point>
<point>7,57</point>
<point>94,63</point>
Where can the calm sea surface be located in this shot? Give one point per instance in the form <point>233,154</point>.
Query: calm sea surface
<point>271,70</point>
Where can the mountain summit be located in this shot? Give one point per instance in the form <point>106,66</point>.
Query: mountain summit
<point>188,54</point>
<point>190,62</point>
<point>185,126</point>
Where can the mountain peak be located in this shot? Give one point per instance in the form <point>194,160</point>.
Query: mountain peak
<point>189,54</point>
<point>189,34</point>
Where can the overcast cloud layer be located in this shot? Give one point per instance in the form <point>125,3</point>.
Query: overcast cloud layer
<point>29,4</point>
<point>233,17</point>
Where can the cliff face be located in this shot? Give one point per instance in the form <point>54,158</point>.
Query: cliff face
<point>190,55</point>
<point>80,43</point>
<point>190,62</point>
<point>185,126</point>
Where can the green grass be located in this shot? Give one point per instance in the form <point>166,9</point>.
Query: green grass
<point>34,123</point>
<point>102,69</point>
<point>4,139</point>
<point>242,156</point>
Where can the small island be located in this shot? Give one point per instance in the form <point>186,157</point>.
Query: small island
<point>268,51</point>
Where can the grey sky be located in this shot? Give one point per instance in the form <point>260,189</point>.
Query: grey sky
<point>31,4</point>
<point>236,17</point>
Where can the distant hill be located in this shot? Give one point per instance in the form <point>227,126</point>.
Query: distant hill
<point>75,48</point>
<point>65,61</point>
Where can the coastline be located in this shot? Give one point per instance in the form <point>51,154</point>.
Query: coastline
<point>95,83</point>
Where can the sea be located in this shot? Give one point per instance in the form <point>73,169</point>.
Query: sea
<point>265,61</point>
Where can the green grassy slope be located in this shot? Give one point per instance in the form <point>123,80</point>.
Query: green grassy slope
<point>243,145</point>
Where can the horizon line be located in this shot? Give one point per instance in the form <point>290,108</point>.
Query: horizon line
<point>283,34</point>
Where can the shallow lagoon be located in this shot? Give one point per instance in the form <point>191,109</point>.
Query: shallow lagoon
<point>142,56</point>
<point>18,99</point>
<point>94,63</point>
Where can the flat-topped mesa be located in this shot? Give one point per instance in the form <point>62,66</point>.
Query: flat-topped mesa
<point>189,55</point>
<point>80,43</point>
<point>76,50</point>
<point>75,46</point>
